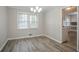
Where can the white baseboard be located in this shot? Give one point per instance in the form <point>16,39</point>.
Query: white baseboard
<point>24,37</point>
<point>53,39</point>
<point>35,36</point>
<point>3,45</point>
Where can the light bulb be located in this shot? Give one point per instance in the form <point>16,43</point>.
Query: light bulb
<point>34,10</point>
<point>37,7</point>
<point>68,8</point>
<point>31,9</point>
<point>40,9</point>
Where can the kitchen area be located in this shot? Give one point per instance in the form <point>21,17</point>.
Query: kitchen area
<point>69,26</point>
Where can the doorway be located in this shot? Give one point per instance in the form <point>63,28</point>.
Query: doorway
<point>69,26</point>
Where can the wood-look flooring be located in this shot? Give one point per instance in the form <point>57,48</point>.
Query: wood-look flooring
<point>36,44</point>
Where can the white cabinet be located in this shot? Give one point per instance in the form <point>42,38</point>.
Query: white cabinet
<point>65,34</point>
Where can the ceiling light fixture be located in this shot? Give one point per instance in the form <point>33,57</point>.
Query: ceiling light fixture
<point>36,9</point>
<point>68,8</point>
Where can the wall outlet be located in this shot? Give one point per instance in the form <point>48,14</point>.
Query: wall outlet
<point>30,34</point>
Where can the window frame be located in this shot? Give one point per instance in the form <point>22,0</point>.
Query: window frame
<point>28,17</point>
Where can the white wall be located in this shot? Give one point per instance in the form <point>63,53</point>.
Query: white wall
<point>3,26</point>
<point>50,24</point>
<point>78,30</point>
<point>53,24</point>
<point>14,32</point>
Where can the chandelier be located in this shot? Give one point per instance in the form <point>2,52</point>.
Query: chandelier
<point>36,9</point>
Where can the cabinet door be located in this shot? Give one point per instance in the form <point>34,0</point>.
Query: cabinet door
<point>65,35</point>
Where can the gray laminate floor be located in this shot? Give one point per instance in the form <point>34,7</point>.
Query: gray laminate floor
<point>37,44</point>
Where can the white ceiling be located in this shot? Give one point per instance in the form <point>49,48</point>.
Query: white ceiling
<point>27,8</point>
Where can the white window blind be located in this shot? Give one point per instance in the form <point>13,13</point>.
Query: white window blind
<point>33,21</point>
<point>26,21</point>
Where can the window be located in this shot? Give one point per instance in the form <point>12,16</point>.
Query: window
<point>22,22</point>
<point>33,21</point>
<point>25,21</point>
